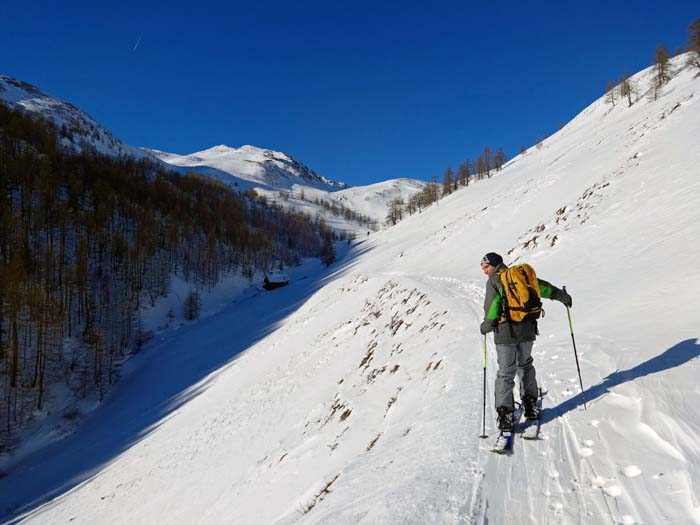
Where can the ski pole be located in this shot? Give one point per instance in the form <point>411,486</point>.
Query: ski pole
<point>483,430</point>
<point>573,340</point>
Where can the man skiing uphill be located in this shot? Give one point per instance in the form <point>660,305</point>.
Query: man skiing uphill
<point>511,309</point>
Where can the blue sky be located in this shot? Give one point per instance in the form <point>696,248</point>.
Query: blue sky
<point>359,91</point>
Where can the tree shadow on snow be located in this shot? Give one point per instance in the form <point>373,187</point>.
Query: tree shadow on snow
<point>675,356</point>
<point>164,376</point>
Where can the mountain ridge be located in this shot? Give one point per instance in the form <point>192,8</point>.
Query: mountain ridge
<point>251,166</point>
<point>248,167</point>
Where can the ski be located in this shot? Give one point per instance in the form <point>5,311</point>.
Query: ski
<point>504,440</point>
<point>503,443</point>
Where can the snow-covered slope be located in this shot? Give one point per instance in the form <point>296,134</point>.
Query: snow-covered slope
<point>250,167</point>
<point>372,200</point>
<point>270,173</point>
<point>291,184</point>
<point>78,130</point>
<point>357,397</point>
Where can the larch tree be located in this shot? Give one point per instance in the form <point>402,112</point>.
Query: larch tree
<point>693,43</point>
<point>627,88</point>
<point>480,167</point>
<point>610,93</point>
<point>395,211</point>
<point>662,73</point>
<point>463,174</point>
<point>434,189</point>
<point>499,159</point>
<point>447,181</point>
<point>412,205</point>
<point>327,251</point>
<point>487,160</point>
<point>192,305</point>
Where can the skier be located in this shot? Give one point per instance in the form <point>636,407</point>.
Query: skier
<point>513,344</point>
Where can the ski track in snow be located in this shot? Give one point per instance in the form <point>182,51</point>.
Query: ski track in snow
<point>557,467</point>
<point>532,464</point>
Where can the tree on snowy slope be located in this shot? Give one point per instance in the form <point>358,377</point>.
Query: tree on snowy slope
<point>662,72</point>
<point>327,250</point>
<point>431,192</point>
<point>487,161</point>
<point>463,174</point>
<point>610,93</point>
<point>627,88</point>
<point>499,159</point>
<point>447,181</point>
<point>412,204</point>
<point>192,306</point>
<point>395,212</point>
<point>480,167</point>
<point>693,44</point>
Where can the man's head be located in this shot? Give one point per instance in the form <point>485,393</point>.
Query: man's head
<point>490,262</point>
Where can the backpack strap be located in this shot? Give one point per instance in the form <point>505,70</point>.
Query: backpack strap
<point>503,278</point>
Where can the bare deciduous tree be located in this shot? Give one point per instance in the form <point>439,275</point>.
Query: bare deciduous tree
<point>610,93</point>
<point>662,73</point>
<point>499,159</point>
<point>487,160</point>
<point>463,173</point>
<point>192,306</point>
<point>693,43</point>
<point>447,181</point>
<point>627,88</point>
<point>395,211</point>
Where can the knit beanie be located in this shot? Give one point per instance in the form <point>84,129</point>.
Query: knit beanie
<point>492,258</point>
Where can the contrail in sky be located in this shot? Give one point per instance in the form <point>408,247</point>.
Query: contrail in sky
<point>137,43</point>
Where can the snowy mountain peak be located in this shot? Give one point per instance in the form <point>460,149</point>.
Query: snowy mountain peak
<point>77,129</point>
<point>14,90</point>
<point>271,173</point>
<point>223,149</point>
<point>250,166</point>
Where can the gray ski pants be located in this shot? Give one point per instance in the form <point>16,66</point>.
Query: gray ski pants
<point>514,359</point>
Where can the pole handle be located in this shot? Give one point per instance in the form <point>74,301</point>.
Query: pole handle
<point>568,313</point>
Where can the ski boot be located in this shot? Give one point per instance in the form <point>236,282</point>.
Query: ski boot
<point>532,411</point>
<point>506,419</point>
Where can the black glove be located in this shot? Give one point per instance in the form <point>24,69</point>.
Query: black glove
<point>566,298</point>
<point>487,326</point>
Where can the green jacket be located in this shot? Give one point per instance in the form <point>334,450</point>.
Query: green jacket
<point>510,333</point>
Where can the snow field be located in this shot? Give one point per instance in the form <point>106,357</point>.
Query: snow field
<point>362,402</point>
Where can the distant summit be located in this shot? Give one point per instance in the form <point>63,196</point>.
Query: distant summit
<point>275,176</point>
<point>251,166</point>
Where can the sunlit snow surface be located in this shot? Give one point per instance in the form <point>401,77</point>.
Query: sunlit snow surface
<point>273,174</point>
<point>355,395</point>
